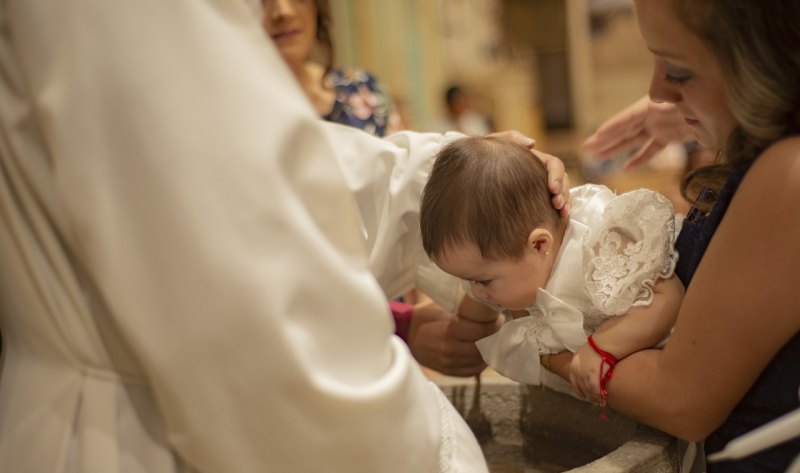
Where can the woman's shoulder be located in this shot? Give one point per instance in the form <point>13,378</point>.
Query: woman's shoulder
<point>785,150</point>
<point>777,168</point>
<point>770,191</point>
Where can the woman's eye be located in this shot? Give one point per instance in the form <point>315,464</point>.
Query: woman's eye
<point>677,75</point>
<point>676,80</point>
<point>484,283</point>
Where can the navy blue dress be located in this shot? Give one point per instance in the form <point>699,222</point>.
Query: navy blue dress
<point>776,390</point>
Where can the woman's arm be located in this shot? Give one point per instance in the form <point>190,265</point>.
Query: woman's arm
<point>640,328</point>
<point>739,310</point>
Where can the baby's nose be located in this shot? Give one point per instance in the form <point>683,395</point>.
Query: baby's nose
<point>479,291</point>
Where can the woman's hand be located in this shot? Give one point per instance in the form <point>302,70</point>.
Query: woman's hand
<point>557,179</point>
<point>445,342</point>
<point>644,129</point>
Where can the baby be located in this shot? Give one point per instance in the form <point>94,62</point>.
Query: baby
<point>606,271</point>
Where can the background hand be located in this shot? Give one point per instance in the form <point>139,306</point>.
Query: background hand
<point>643,129</point>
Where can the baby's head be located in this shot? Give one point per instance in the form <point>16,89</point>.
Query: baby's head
<point>487,218</point>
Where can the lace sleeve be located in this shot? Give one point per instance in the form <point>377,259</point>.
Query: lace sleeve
<point>629,250</point>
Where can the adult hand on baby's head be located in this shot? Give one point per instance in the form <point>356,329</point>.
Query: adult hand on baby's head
<point>644,129</point>
<point>445,342</point>
<point>557,179</point>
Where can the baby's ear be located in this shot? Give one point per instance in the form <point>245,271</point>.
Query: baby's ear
<point>540,240</point>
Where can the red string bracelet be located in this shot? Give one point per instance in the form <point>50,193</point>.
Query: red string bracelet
<point>611,361</point>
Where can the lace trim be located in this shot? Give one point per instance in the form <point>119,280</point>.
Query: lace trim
<point>629,251</point>
<point>447,449</point>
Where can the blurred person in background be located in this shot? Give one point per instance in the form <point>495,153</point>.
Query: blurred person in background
<point>462,115</point>
<point>301,30</point>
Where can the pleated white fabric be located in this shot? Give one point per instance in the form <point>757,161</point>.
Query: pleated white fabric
<point>184,279</point>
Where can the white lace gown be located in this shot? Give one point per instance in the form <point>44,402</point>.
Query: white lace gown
<point>614,250</point>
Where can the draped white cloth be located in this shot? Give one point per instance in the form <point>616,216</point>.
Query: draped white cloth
<point>184,279</point>
<point>614,249</point>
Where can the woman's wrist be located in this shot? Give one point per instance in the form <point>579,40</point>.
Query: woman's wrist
<point>610,345</point>
<point>402,314</point>
<point>607,365</point>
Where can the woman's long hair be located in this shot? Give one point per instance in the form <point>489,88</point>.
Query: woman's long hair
<point>757,44</point>
<point>324,34</point>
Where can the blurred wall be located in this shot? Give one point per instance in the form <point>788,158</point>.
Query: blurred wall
<point>419,47</point>
<point>553,69</point>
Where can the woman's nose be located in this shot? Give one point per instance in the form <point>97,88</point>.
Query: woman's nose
<point>279,9</point>
<point>661,90</point>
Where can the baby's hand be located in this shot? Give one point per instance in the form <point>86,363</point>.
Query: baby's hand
<point>585,374</point>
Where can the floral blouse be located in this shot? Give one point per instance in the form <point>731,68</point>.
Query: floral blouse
<point>360,101</point>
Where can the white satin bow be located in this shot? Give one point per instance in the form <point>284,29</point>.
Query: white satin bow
<point>552,327</point>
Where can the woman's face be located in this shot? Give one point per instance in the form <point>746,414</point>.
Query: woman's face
<point>292,25</point>
<point>686,73</point>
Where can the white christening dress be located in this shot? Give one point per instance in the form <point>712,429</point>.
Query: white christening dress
<point>614,250</point>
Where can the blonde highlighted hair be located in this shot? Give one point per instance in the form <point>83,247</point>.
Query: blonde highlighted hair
<point>756,45</point>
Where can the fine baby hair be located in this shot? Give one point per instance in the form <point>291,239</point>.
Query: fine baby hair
<point>486,219</point>
<point>487,191</point>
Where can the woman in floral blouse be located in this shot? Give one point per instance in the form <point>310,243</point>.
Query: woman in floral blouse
<point>352,96</point>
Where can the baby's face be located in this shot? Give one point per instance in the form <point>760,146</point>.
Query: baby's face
<point>509,283</point>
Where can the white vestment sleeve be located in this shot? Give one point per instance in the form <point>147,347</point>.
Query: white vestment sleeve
<point>202,200</point>
<point>387,176</point>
